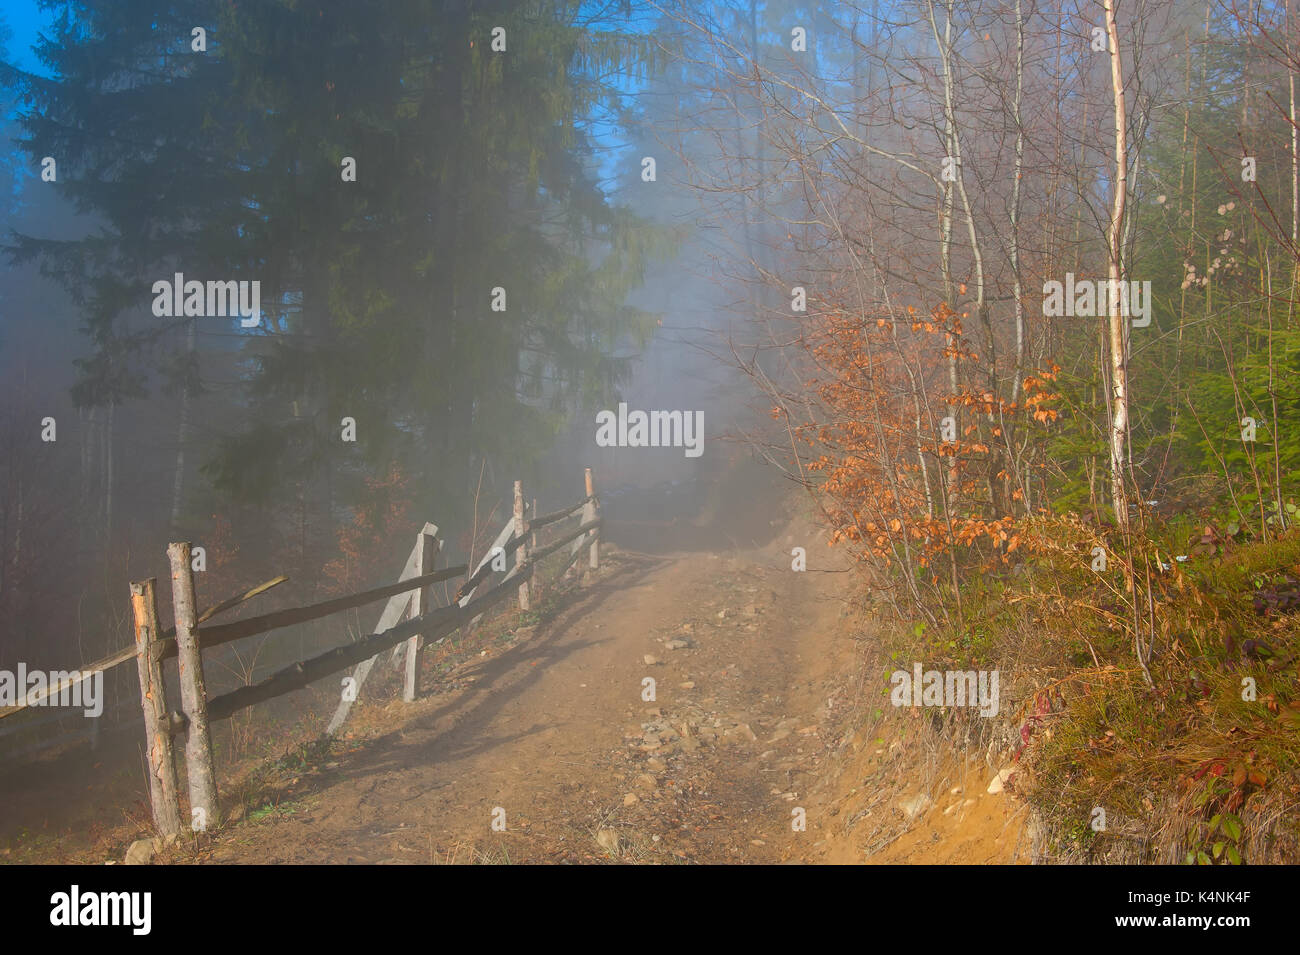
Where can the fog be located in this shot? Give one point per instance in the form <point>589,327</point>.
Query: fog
<point>339,340</point>
<point>409,362</point>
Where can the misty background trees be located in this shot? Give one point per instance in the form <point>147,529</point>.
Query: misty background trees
<point>920,172</point>
<point>383,173</point>
<point>857,205</point>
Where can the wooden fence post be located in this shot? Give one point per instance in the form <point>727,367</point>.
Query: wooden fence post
<point>501,540</point>
<point>590,511</point>
<point>421,602</point>
<point>205,813</point>
<point>535,585</point>
<point>392,613</point>
<point>521,555</point>
<point>153,699</point>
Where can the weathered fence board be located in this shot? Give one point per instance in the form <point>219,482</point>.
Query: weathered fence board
<point>521,554</point>
<point>505,545</point>
<point>591,513</point>
<point>435,624</point>
<point>553,516</point>
<point>166,639</point>
<point>404,588</point>
<point>393,611</point>
<point>421,603</point>
<point>194,693</point>
<point>153,699</point>
<point>502,544</point>
<point>575,535</point>
<point>411,592</point>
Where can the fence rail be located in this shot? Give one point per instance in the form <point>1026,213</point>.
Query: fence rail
<point>410,596</point>
<point>127,654</point>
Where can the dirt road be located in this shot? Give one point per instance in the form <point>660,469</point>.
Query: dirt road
<point>761,741</point>
<point>551,750</point>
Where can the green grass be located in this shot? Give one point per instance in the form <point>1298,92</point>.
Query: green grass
<point>269,810</point>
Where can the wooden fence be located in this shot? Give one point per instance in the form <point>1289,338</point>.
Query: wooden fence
<point>410,597</point>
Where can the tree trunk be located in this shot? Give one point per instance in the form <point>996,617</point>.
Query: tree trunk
<point>1119,426</point>
<point>182,435</point>
<point>108,476</point>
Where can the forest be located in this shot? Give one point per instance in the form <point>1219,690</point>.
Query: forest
<point>1009,289</point>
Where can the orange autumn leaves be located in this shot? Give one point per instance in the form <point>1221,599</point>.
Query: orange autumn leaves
<point>911,467</point>
<point>365,544</point>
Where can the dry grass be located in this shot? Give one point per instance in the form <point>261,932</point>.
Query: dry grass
<point>1133,700</point>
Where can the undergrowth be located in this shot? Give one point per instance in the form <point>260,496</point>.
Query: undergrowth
<point>1150,699</point>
